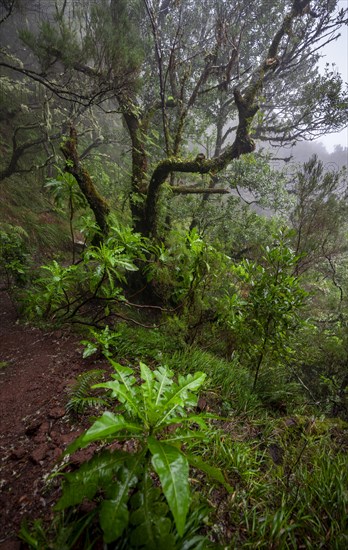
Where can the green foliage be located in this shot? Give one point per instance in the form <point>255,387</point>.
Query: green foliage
<point>105,341</point>
<point>80,397</point>
<point>133,343</point>
<point>188,274</point>
<point>13,254</point>
<point>265,314</point>
<point>321,359</point>
<point>320,214</point>
<point>253,178</point>
<point>229,382</point>
<point>65,532</point>
<point>156,415</point>
<point>301,497</point>
<point>53,40</point>
<point>63,292</point>
<point>182,265</point>
<point>65,190</point>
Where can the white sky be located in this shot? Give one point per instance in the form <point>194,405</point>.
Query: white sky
<point>337,52</point>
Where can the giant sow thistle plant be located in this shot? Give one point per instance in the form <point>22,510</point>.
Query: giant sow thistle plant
<point>156,419</point>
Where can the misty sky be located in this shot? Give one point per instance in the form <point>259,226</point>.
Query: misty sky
<point>336,52</point>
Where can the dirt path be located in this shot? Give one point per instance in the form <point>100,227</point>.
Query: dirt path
<point>37,368</point>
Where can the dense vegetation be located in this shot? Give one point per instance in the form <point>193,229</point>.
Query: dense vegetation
<point>136,207</point>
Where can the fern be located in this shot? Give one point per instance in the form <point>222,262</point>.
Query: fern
<point>80,398</point>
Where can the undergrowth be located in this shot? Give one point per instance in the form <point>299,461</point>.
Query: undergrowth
<point>245,464</point>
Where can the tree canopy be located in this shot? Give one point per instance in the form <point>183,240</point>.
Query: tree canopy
<point>195,84</point>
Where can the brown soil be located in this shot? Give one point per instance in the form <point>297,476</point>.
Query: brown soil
<point>37,369</point>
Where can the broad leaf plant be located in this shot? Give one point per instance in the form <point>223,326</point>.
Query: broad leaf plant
<point>156,421</point>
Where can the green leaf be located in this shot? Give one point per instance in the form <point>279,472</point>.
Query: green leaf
<point>150,521</point>
<point>113,513</point>
<point>182,395</point>
<point>211,471</point>
<point>108,424</point>
<point>147,392</point>
<point>173,470</point>
<point>193,419</point>
<point>124,388</point>
<point>114,517</point>
<point>89,350</point>
<point>148,377</point>
<point>92,475</point>
<point>181,436</point>
<point>122,393</point>
<point>164,381</point>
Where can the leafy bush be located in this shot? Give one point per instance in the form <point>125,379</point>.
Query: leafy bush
<point>133,343</point>
<point>13,255</point>
<point>263,307</point>
<point>63,292</point>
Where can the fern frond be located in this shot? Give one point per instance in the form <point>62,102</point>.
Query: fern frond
<point>80,397</point>
<point>80,404</point>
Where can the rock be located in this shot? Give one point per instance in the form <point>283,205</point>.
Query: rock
<point>44,428</point>
<point>55,453</point>
<point>81,456</point>
<point>58,412</point>
<point>66,439</point>
<point>290,422</point>
<point>17,454</point>
<point>38,454</point>
<point>39,439</point>
<point>55,436</point>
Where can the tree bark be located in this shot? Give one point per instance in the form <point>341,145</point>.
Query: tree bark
<point>139,168</point>
<point>243,144</point>
<point>97,203</point>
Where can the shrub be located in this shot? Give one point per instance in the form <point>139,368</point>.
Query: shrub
<point>138,492</point>
<point>13,255</point>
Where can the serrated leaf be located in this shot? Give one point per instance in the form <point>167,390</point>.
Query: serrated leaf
<point>121,393</point>
<point>152,526</point>
<point>181,436</point>
<point>192,381</point>
<point>108,424</point>
<point>163,381</point>
<point>192,419</point>
<point>113,513</point>
<point>147,392</point>
<point>148,377</point>
<point>113,517</point>
<point>123,387</point>
<point>181,395</point>
<point>120,369</point>
<point>173,470</point>
<point>92,475</point>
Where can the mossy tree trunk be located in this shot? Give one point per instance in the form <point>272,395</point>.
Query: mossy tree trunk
<point>247,107</point>
<point>97,203</point>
